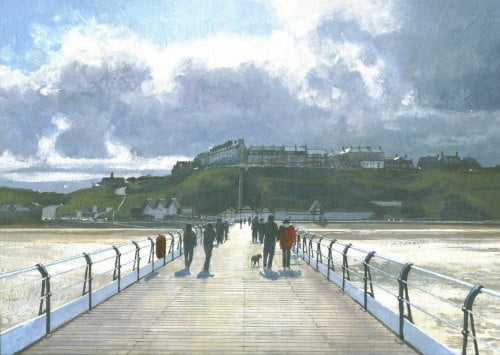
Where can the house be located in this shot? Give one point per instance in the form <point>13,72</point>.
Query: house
<point>229,214</point>
<point>447,162</point>
<point>398,163</point>
<point>163,208</point>
<point>264,213</point>
<point>360,157</point>
<point>246,212</point>
<point>112,181</point>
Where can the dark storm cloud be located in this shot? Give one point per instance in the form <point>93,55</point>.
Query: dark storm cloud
<point>449,50</point>
<point>440,80</point>
<point>216,105</point>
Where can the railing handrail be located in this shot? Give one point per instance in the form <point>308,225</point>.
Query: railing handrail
<point>137,246</point>
<point>405,305</point>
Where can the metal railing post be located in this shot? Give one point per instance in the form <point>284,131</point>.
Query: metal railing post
<point>137,259</point>
<point>345,266</point>
<point>467,309</point>
<point>152,254</point>
<point>403,298</point>
<point>319,257</point>
<point>304,246</point>
<point>179,246</point>
<point>310,250</point>
<point>368,276</point>
<point>118,266</point>
<point>330,259</point>
<point>88,277</point>
<point>45,295</point>
<point>171,249</point>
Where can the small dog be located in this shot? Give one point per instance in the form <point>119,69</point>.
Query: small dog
<point>255,260</point>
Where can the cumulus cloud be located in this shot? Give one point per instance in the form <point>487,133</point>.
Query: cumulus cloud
<point>413,78</point>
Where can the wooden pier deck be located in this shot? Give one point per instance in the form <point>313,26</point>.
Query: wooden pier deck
<point>237,310</point>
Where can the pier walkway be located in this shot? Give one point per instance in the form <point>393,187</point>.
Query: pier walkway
<point>239,309</point>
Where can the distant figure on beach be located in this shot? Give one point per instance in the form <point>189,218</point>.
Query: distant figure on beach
<point>287,238</point>
<point>241,223</point>
<point>189,240</point>
<point>219,231</point>
<point>262,225</point>
<point>255,229</point>
<point>270,238</point>
<point>208,245</point>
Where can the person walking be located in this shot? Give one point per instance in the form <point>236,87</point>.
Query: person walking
<point>270,239</point>
<point>208,244</point>
<point>261,230</point>
<point>219,231</point>
<point>287,237</point>
<point>189,240</point>
<point>255,229</point>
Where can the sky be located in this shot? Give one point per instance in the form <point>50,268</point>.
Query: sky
<point>89,87</point>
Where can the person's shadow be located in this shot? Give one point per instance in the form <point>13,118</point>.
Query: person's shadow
<point>151,276</point>
<point>182,273</point>
<point>204,274</point>
<point>290,273</point>
<point>270,274</point>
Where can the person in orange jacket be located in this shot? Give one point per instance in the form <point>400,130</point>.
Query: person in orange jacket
<point>287,238</point>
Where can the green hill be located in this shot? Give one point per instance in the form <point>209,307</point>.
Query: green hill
<point>435,195</point>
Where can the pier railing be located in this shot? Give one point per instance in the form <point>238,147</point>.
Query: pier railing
<point>36,300</point>
<point>434,313</point>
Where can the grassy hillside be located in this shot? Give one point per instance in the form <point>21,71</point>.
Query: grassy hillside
<point>26,197</point>
<point>447,195</point>
<point>425,194</point>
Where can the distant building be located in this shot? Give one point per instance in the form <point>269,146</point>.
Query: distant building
<point>113,182</point>
<point>158,209</point>
<point>265,156</point>
<point>398,163</point>
<point>447,162</point>
<point>264,213</point>
<point>359,157</point>
<point>229,214</point>
<point>317,158</point>
<point>246,212</point>
<point>231,152</point>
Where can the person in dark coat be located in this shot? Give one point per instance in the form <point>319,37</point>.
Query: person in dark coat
<point>262,225</point>
<point>255,229</point>
<point>219,231</point>
<point>270,239</point>
<point>208,244</point>
<point>189,240</point>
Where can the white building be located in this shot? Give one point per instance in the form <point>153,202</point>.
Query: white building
<point>159,209</point>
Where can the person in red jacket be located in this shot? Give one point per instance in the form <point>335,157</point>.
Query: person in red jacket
<point>287,238</point>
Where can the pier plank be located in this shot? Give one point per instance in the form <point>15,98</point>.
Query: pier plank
<point>237,310</point>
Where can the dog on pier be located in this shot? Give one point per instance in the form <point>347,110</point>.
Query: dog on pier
<point>255,260</point>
